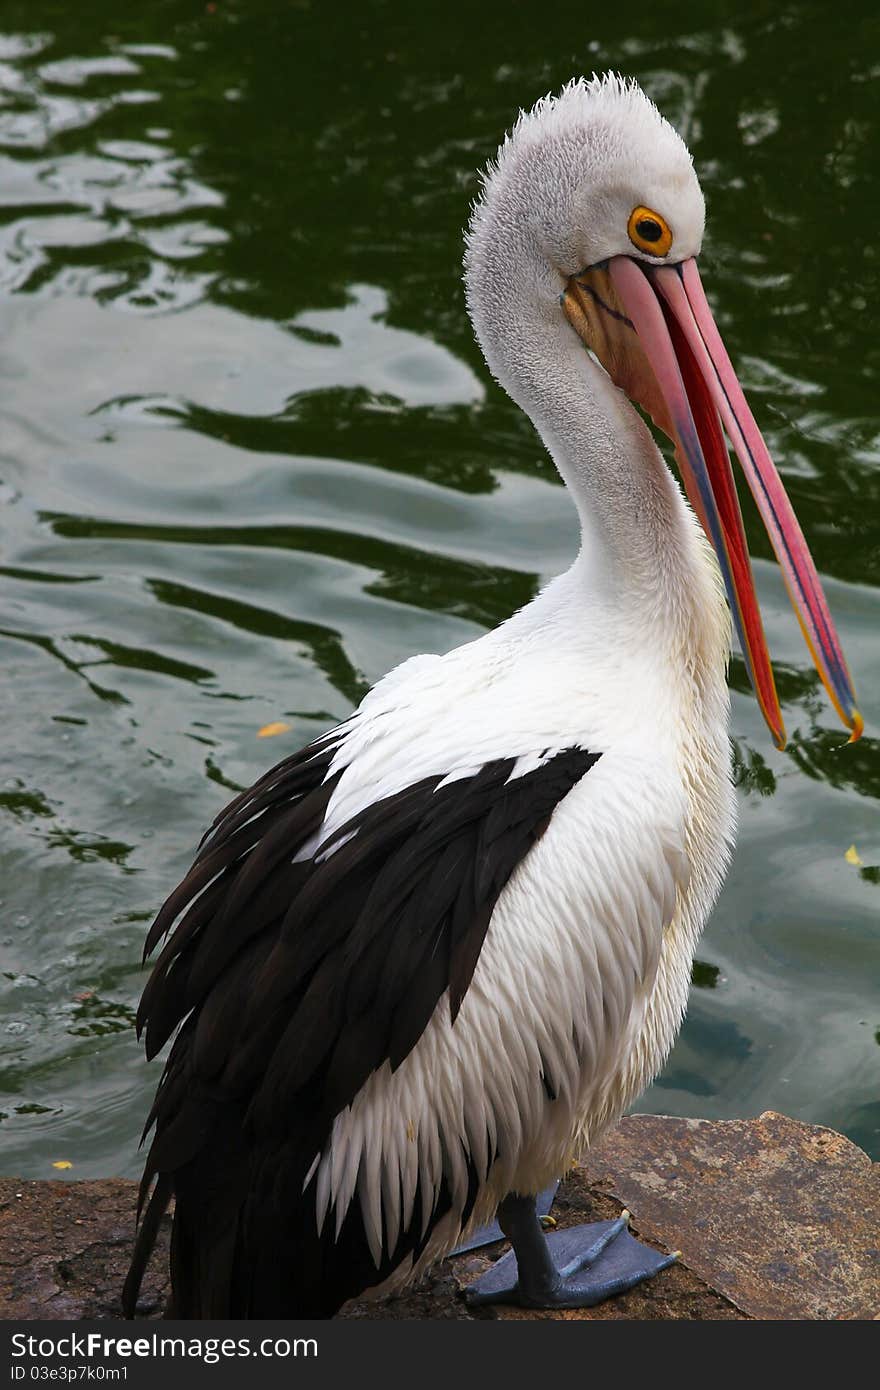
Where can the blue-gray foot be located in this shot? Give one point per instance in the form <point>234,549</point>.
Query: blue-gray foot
<point>487,1235</point>
<point>574,1268</point>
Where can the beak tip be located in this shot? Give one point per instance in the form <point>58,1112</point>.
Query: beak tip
<point>857,725</point>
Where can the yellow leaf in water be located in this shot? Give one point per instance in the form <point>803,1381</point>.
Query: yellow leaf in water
<point>62,1163</point>
<point>852,856</point>
<point>270,730</point>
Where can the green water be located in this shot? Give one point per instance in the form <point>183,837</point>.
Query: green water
<point>250,458</point>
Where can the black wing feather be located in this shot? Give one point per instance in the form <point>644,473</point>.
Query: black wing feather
<point>290,984</point>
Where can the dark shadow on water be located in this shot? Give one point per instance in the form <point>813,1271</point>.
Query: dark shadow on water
<point>478,593</point>
<point>323,644</point>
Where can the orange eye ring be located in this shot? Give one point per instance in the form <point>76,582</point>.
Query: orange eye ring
<point>649,232</point>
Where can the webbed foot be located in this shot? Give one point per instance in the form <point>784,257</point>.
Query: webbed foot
<point>574,1268</point>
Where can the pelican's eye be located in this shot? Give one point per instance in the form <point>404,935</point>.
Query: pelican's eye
<point>648,231</point>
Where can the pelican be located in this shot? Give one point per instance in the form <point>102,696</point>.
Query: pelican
<point>422,964</point>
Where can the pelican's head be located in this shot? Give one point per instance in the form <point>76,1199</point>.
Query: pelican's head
<point>608,217</point>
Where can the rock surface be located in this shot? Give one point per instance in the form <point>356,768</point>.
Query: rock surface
<point>774,1219</point>
<point>781,1218</point>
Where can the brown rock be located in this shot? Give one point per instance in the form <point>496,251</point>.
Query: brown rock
<point>65,1247</point>
<point>780,1217</point>
<point>775,1219</point>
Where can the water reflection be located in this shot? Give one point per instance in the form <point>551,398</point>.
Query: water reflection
<point>80,222</point>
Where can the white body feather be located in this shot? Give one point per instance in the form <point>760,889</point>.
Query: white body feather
<point>586,964</point>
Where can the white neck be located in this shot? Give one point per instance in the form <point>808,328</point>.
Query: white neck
<point>640,547</point>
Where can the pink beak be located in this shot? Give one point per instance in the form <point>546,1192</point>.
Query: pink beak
<point>669,312</point>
